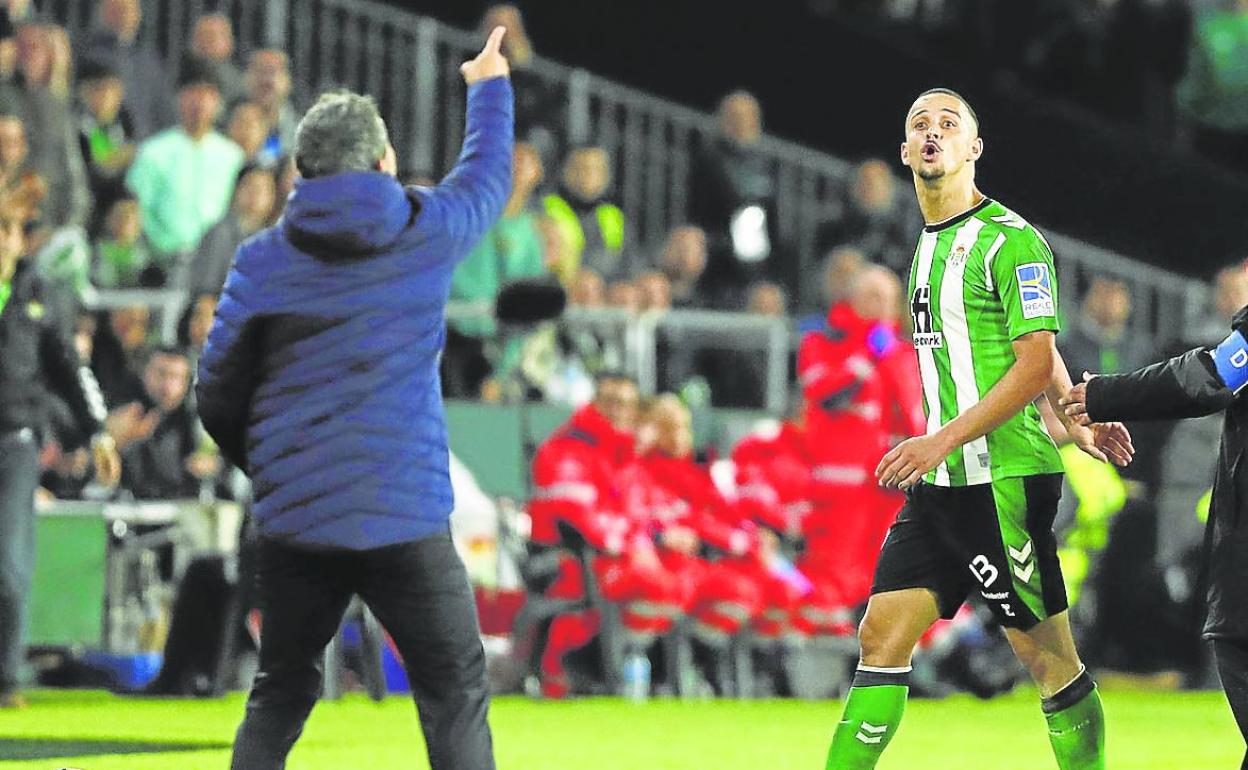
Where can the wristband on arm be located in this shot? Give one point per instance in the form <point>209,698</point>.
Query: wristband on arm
<point>1230,359</point>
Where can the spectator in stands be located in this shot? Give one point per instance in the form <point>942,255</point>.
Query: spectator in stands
<point>1230,293</point>
<point>104,133</point>
<point>149,97</point>
<point>840,268</point>
<point>592,226</point>
<point>737,375</point>
<point>656,292</point>
<point>195,324</point>
<point>157,466</point>
<point>269,86</point>
<point>540,111</point>
<point>767,299</point>
<point>14,152</point>
<point>42,103</point>
<point>511,249</point>
<point>1098,340</point>
<point>732,197</point>
<point>254,196</point>
<point>588,290</point>
<point>1213,96</point>
<point>286,176</point>
<point>249,131</point>
<point>576,480</point>
<point>877,217</point>
<point>683,260</point>
<point>184,176</point>
<point>118,352</point>
<point>212,46</point>
<point>121,257</point>
<point>624,295</point>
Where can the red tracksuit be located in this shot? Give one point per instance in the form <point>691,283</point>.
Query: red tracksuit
<point>576,476</point>
<point>860,389</point>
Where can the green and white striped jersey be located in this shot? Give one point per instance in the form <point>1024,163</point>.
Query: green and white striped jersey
<point>980,281</point>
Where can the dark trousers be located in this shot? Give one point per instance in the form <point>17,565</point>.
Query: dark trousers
<point>420,593</point>
<point>1232,658</point>
<point>19,477</point>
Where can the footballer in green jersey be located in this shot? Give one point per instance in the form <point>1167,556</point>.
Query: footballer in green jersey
<point>982,485</point>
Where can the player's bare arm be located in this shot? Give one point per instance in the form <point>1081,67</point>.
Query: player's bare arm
<point>1107,442</point>
<point>1031,374</point>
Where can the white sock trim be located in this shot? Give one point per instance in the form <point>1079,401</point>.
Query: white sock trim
<point>878,670</point>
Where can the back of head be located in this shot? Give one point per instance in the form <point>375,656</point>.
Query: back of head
<point>342,132</point>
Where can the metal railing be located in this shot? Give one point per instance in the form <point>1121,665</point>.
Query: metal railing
<point>410,65</point>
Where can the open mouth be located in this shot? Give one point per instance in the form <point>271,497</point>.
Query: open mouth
<point>930,151</point>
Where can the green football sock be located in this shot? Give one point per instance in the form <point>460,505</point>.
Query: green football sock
<point>872,713</point>
<point>1077,725</point>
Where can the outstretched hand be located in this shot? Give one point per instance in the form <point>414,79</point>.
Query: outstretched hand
<point>490,63</point>
<point>1075,404</point>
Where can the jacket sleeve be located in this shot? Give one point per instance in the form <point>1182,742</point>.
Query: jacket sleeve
<point>829,379</point>
<point>1185,386</point>
<point>564,490</point>
<point>227,372</point>
<point>72,381</point>
<point>472,196</point>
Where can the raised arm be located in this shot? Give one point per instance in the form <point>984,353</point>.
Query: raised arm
<point>472,196</point>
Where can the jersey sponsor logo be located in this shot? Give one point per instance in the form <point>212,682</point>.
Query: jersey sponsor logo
<point>1035,290</point>
<point>1230,358</point>
<point>921,315</point>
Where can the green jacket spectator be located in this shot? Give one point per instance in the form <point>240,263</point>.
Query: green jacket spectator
<point>511,250</point>
<point>184,176</point>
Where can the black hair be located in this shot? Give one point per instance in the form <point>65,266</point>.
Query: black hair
<point>176,351</point>
<point>955,95</point>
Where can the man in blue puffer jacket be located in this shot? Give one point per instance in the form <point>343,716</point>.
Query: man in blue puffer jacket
<point>320,379</point>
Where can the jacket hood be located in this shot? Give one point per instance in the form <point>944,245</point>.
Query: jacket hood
<point>346,216</point>
<point>592,424</point>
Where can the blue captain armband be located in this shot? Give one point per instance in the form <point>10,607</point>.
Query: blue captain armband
<point>1230,358</point>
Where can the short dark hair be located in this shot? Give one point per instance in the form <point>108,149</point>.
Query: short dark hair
<point>342,132</point>
<point>613,375</point>
<point>955,95</point>
<point>173,351</point>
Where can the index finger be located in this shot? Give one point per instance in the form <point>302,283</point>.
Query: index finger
<point>496,40</point>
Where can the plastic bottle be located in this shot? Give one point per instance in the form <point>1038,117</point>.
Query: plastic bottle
<point>636,677</point>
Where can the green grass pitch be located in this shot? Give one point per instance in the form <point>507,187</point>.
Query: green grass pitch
<point>97,731</point>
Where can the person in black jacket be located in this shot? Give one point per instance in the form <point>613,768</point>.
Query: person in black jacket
<point>34,358</point>
<point>1202,381</point>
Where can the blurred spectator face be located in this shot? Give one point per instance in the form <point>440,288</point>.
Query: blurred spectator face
<point>684,255</point>
<point>516,44</point>
<point>268,78</point>
<point>672,426</point>
<point>1108,303</point>
<point>588,290</point>
<point>656,291</point>
<point>254,197</point>
<point>248,128</point>
<point>876,294</point>
<point>214,38</point>
<point>34,54</point>
<point>124,223</point>
<point>103,97</point>
<point>13,147</point>
<point>84,336</point>
<point>129,325</point>
<point>587,173</point>
<point>741,118</point>
<point>617,400</point>
<point>526,170</point>
<point>624,295</point>
<point>1231,291</point>
<point>198,104</point>
<point>122,18</point>
<point>167,377</point>
<point>201,320</point>
<point>842,267</point>
<point>767,299</point>
<point>874,185</point>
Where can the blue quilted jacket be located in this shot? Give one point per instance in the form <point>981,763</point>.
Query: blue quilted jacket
<point>320,375</point>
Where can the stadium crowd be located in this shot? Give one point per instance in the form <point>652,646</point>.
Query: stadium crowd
<point>152,181</point>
